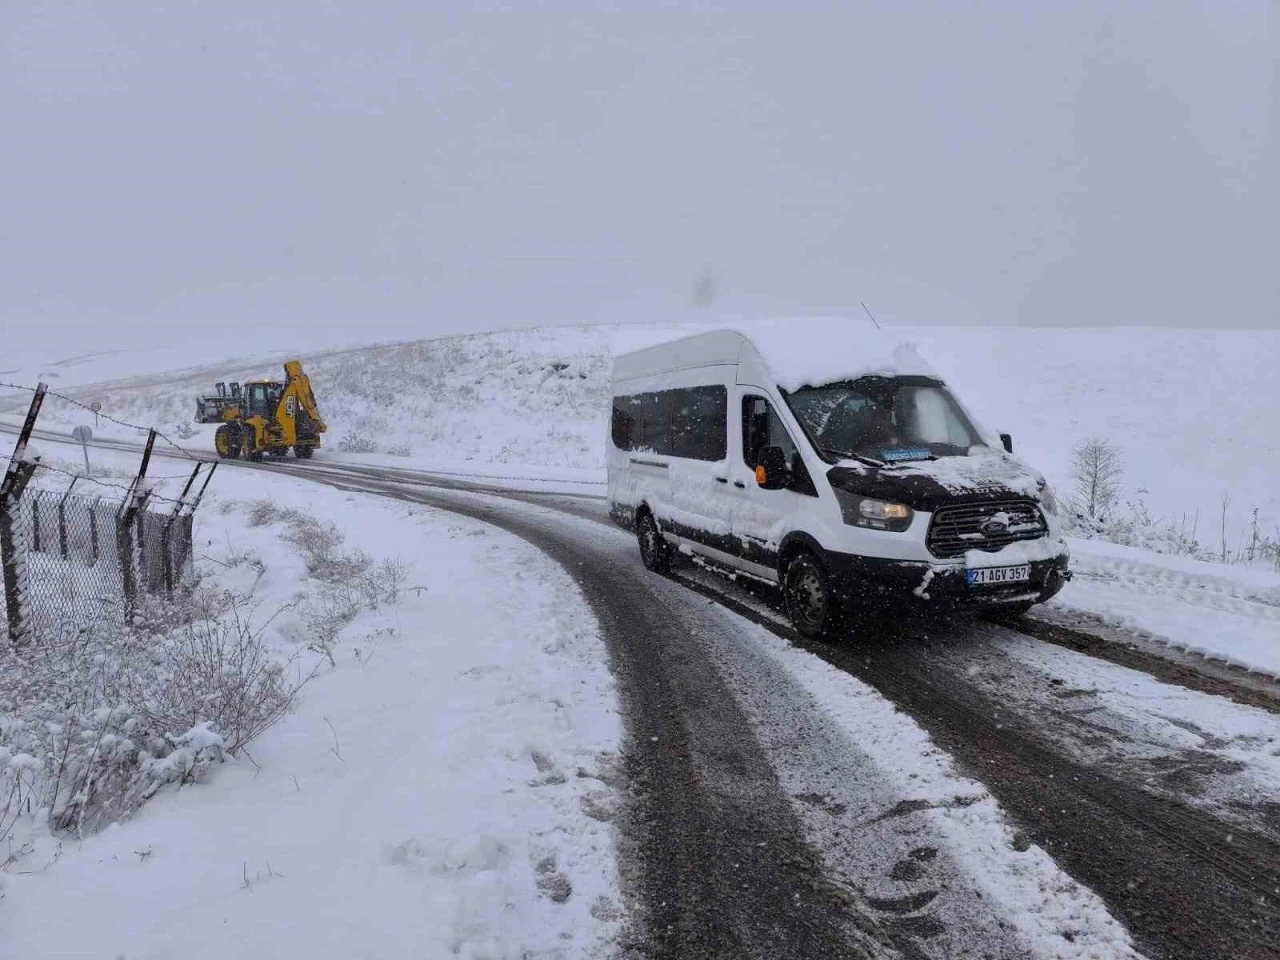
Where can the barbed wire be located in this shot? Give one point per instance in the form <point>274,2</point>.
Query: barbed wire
<point>105,416</point>
<point>49,466</point>
<point>40,465</point>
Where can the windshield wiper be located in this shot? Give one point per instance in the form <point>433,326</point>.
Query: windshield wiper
<point>850,455</point>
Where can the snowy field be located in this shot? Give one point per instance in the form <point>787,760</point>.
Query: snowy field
<point>437,791</point>
<point>1191,412</point>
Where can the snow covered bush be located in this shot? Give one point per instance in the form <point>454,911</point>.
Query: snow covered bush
<point>1136,527</point>
<point>96,718</point>
<point>216,673</point>
<point>352,442</point>
<point>400,450</point>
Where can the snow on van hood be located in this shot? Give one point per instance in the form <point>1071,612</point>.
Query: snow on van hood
<point>929,484</point>
<point>801,351</point>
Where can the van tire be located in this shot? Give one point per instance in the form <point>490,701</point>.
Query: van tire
<point>811,604</point>
<point>655,554</point>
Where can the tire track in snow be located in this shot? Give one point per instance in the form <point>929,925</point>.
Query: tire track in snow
<point>1186,884</point>
<point>1133,851</point>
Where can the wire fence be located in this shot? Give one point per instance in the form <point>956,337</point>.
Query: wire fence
<point>71,559</point>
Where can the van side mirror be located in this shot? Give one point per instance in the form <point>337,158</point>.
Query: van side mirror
<point>1007,440</point>
<point>771,470</point>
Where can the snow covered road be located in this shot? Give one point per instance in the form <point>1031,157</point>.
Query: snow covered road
<point>956,790</point>
<point>1188,875</point>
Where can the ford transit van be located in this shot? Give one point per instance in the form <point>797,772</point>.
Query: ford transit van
<point>826,458</point>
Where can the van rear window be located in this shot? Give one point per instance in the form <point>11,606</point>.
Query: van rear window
<point>691,422</point>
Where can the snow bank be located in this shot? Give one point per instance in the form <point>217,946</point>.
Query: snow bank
<point>441,790</point>
<point>1219,611</point>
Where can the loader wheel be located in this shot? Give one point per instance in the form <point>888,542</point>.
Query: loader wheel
<point>303,453</point>
<point>226,440</point>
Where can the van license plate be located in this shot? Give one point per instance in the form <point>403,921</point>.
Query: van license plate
<point>989,576</point>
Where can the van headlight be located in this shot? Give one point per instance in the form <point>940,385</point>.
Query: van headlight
<point>874,514</point>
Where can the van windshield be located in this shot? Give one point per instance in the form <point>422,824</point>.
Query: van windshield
<point>889,419</point>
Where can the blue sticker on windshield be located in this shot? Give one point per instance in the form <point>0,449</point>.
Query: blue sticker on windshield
<point>905,453</point>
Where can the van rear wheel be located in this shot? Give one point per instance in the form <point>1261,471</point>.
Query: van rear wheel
<point>654,551</point>
<point>811,605</point>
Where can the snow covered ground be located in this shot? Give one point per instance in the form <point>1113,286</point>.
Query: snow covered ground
<point>442,789</point>
<point>1224,611</point>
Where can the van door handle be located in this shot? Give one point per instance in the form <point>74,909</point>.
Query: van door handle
<point>739,484</point>
<point>722,479</point>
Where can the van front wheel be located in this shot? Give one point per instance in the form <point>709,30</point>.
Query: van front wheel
<point>654,551</point>
<point>813,608</point>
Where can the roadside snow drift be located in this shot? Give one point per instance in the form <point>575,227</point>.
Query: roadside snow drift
<point>442,790</point>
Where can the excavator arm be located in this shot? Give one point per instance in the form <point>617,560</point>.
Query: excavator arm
<point>299,385</point>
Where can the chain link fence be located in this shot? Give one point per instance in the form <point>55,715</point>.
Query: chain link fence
<point>72,559</point>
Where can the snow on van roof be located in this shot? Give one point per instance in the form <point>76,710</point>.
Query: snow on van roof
<point>801,351</point>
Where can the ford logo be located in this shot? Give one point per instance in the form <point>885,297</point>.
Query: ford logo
<point>994,527</point>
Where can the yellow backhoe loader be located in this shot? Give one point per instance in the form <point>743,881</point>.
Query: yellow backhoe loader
<point>264,417</point>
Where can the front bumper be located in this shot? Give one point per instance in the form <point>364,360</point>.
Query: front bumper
<point>868,583</point>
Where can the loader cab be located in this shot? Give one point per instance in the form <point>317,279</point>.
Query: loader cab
<point>262,398</point>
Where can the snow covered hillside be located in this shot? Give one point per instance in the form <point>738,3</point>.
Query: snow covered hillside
<point>1191,411</point>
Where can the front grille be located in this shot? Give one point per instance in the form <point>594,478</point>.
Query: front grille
<point>957,529</point>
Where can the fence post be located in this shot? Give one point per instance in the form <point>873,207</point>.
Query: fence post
<point>36,546</point>
<point>134,503</point>
<point>11,487</point>
<point>62,520</point>
<point>93,530</point>
<point>166,535</point>
<point>124,557</point>
<point>15,567</point>
<point>203,487</point>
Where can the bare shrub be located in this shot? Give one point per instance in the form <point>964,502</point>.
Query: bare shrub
<point>95,719</point>
<point>1096,467</point>
<point>326,616</point>
<point>321,547</point>
<point>390,578</point>
<point>264,512</point>
<point>355,443</point>
<point>217,671</point>
<point>400,450</point>
<point>331,609</point>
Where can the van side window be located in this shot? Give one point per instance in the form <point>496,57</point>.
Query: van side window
<point>762,428</point>
<point>691,423</point>
<point>700,423</point>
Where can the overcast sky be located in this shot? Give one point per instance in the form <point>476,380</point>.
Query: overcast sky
<point>311,172</point>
